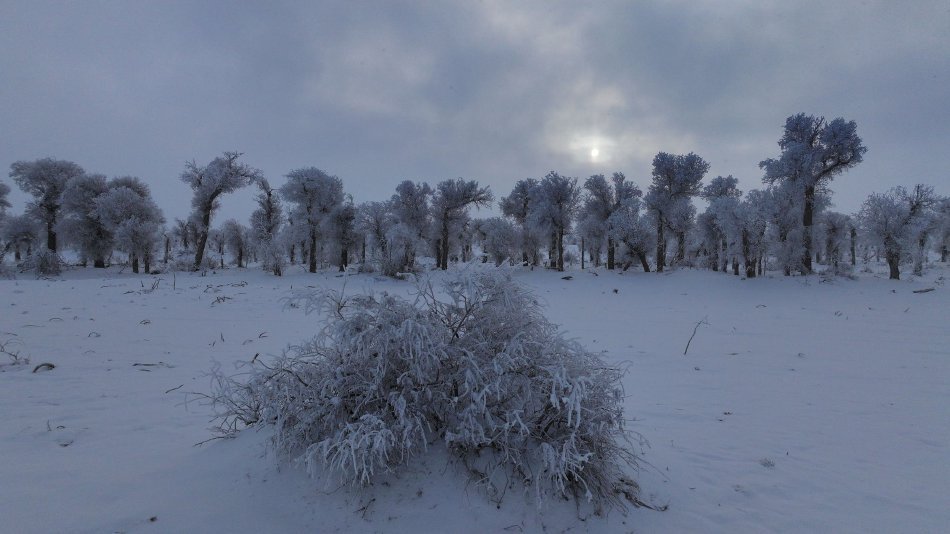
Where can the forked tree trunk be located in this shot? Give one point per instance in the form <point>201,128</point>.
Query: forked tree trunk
<point>643,261</point>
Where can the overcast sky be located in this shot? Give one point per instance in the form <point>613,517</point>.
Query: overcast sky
<point>379,92</point>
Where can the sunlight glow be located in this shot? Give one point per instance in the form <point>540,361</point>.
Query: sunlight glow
<point>594,152</point>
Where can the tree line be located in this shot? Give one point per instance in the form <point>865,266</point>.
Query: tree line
<point>787,225</point>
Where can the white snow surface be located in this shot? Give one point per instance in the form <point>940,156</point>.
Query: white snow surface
<point>800,407</point>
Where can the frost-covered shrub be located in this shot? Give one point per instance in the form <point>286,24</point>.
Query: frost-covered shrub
<point>479,370</point>
<point>43,263</point>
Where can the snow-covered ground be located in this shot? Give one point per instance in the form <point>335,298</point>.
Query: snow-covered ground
<point>800,407</point>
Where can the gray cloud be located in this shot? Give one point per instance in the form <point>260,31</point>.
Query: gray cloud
<point>377,92</point>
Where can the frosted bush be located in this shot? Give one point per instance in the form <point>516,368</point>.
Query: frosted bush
<point>43,263</point>
<point>479,371</point>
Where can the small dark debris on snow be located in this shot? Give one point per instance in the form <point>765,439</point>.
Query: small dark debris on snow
<point>928,290</point>
<point>568,277</point>
<point>44,367</point>
<point>616,290</point>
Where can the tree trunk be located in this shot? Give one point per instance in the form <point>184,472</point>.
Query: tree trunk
<point>747,260</point>
<point>611,254</point>
<point>943,254</point>
<point>643,261</point>
<point>202,237</point>
<point>552,251</point>
<point>560,249</point>
<point>893,262</point>
<point>240,257</point>
<point>735,265</point>
<point>680,248</point>
<point>919,257</point>
<point>807,216</point>
<point>16,253</point>
<point>313,250</point>
<point>147,260</point>
<point>660,243</point>
<point>51,234</point>
<point>854,238</point>
<point>343,258</point>
<point>135,264</point>
<point>99,263</point>
<point>293,260</point>
<point>583,253</point>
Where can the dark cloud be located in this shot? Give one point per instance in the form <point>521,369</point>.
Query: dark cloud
<point>377,92</point>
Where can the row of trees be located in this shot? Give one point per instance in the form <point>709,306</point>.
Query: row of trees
<point>787,225</point>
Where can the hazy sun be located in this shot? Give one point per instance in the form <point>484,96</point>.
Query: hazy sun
<point>594,152</point>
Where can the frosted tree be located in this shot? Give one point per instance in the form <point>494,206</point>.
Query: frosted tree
<point>752,217</point>
<point>129,213</point>
<point>450,203</point>
<point>265,222</point>
<point>314,194</point>
<point>517,205</point>
<point>602,199</point>
<point>593,237</point>
<point>836,232</point>
<point>223,175</point>
<point>554,203</point>
<point>498,238</point>
<point>21,233</point>
<point>235,237</point>
<point>410,208</point>
<point>676,178</point>
<point>373,221</point>
<point>890,220</point>
<point>717,222</point>
<point>633,231</point>
<point>81,222</point>
<point>4,201</point>
<point>926,221</point>
<point>813,152</point>
<point>943,228</point>
<point>340,226</point>
<point>45,179</point>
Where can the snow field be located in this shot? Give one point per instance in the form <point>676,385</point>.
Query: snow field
<point>800,406</point>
